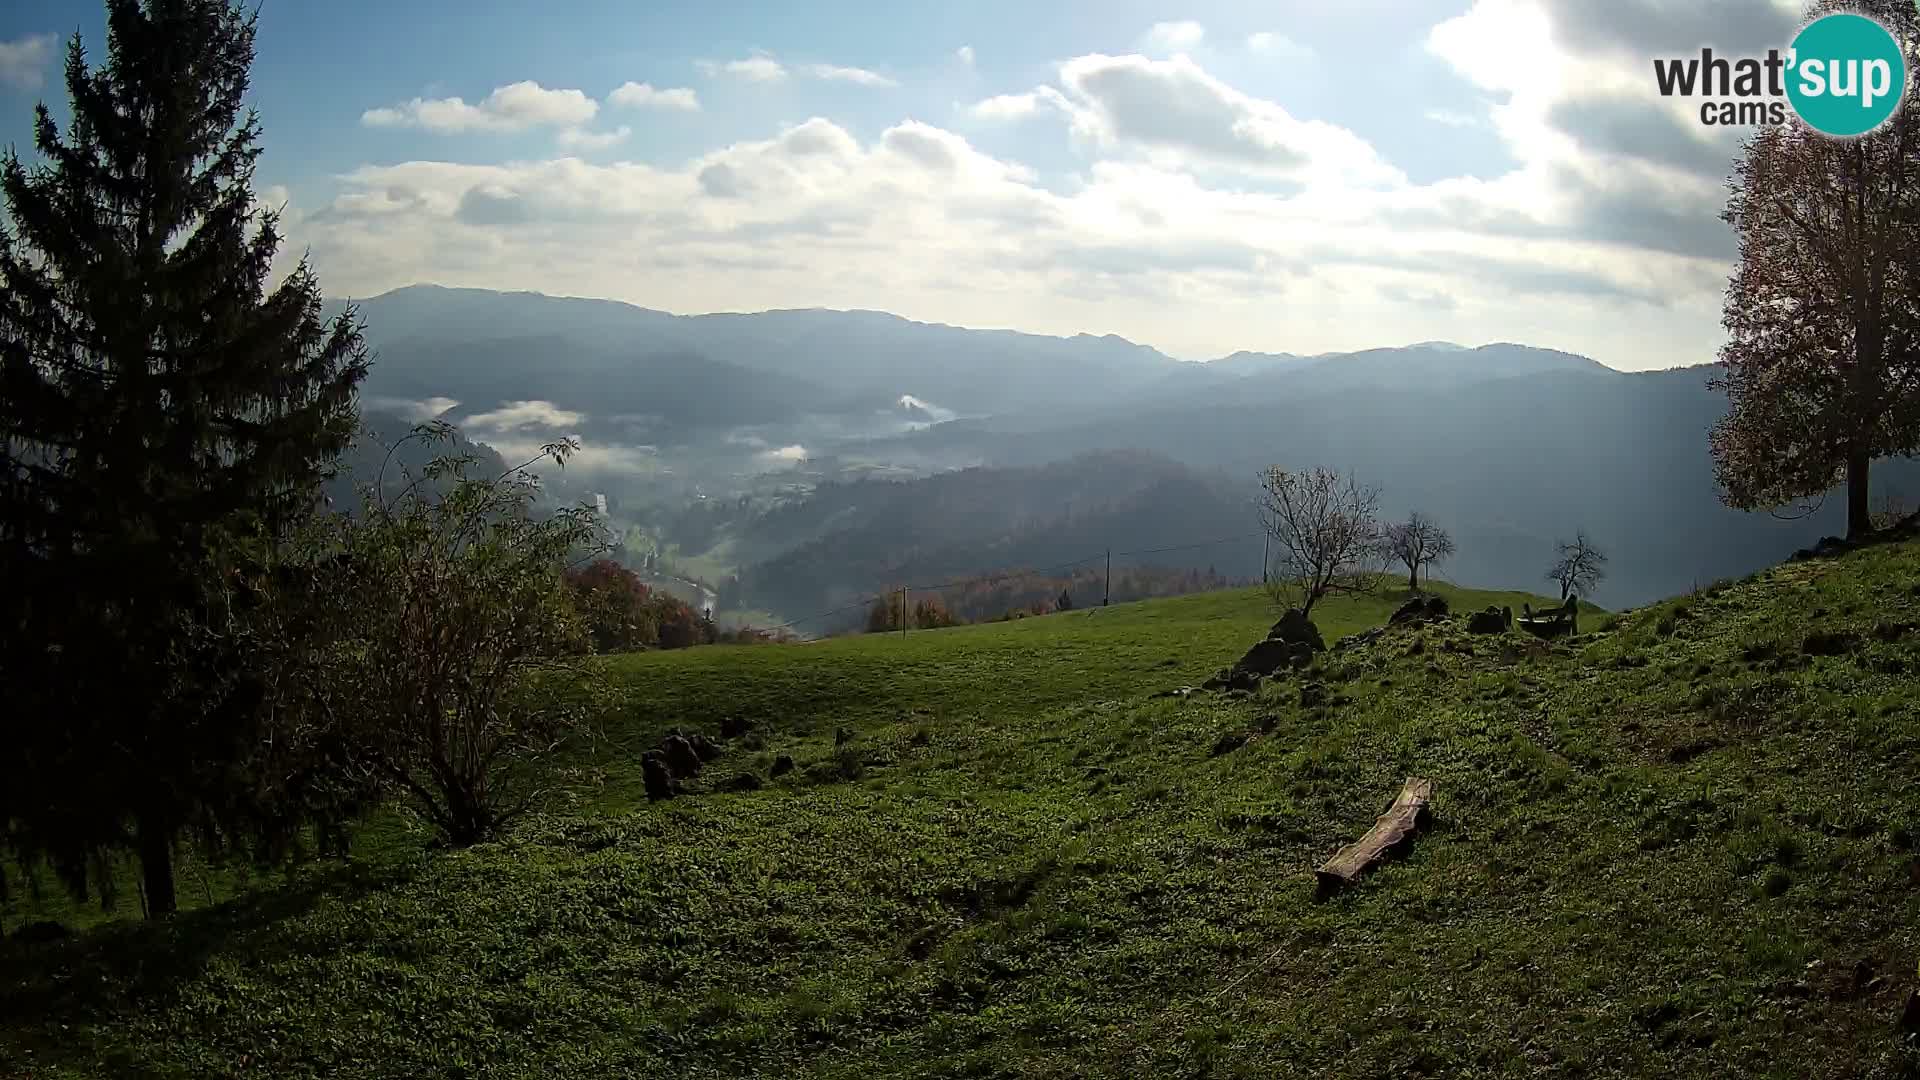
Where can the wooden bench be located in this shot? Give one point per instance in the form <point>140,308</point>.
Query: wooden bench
<point>1563,621</point>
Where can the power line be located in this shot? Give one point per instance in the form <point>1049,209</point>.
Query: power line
<point>1190,547</point>
<point>1006,576</point>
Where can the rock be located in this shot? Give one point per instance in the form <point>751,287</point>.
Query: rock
<point>1312,695</point>
<point>682,759</point>
<point>1294,628</point>
<point>1910,1017</point>
<point>1266,657</point>
<point>1355,641</point>
<point>782,765</point>
<point>1829,643</point>
<point>746,781</point>
<point>659,781</point>
<point>842,736</point>
<point>1302,656</point>
<point>1244,680</point>
<point>1228,743</point>
<point>733,727</point>
<point>39,933</point>
<point>1490,621</point>
<point>1419,609</point>
<point>704,748</point>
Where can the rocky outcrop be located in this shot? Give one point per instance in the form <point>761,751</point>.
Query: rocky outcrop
<point>1491,621</point>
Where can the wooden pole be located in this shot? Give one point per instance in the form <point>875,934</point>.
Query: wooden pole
<point>903,611</point>
<point>1108,598</point>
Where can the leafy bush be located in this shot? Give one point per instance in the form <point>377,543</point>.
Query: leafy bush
<point>448,665</point>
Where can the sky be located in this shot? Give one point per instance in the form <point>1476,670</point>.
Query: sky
<point>1292,176</point>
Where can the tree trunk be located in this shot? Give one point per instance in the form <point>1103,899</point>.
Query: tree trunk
<point>1413,578</point>
<point>156,868</point>
<point>1859,514</point>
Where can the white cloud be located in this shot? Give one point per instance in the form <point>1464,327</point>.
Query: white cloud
<point>1201,219</point>
<point>1175,36</point>
<point>517,107</point>
<point>414,411</point>
<point>633,95</point>
<point>938,414</point>
<point>1271,43</point>
<point>965,55</point>
<point>759,67</point>
<point>581,139</point>
<point>590,458</point>
<point>858,76</point>
<point>1451,118</point>
<point>24,61</point>
<point>784,456</point>
<point>1599,149</point>
<point>524,416</point>
<point>1007,106</point>
<point>1175,109</point>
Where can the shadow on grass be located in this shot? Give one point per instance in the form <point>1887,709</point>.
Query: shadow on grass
<point>48,990</point>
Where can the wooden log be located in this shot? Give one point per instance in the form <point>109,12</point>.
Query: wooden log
<point>1391,831</point>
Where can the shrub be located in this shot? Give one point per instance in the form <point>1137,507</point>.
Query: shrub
<point>449,667</point>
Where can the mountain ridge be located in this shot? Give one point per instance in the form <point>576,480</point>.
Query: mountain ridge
<point>421,289</point>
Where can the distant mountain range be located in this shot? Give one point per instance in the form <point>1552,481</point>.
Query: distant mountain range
<point>1509,446</point>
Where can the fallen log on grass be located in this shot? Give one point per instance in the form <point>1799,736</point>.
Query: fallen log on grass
<point>1391,831</point>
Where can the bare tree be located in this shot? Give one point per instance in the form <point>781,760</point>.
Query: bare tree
<point>1324,532</point>
<point>1581,566</point>
<point>1416,542</point>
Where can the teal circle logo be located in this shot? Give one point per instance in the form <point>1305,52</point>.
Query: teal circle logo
<point>1846,75</point>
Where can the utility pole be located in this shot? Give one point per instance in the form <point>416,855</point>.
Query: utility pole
<point>1266,554</point>
<point>903,611</point>
<point>1108,598</point>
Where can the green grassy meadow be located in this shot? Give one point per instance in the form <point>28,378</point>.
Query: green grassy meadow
<point>1681,846</point>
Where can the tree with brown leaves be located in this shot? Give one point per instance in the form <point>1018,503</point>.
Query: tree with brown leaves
<point>1822,362</point>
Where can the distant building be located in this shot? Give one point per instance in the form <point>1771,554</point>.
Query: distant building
<point>600,504</point>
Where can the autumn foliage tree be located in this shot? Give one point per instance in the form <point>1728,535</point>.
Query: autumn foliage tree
<point>887,613</point>
<point>1822,361</point>
<point>623,615</point>
<point>612,603</point>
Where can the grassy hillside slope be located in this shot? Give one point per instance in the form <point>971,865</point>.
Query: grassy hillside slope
<point>1682,847</point>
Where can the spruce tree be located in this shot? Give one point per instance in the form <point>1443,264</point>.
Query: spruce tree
<point>160,409</point>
